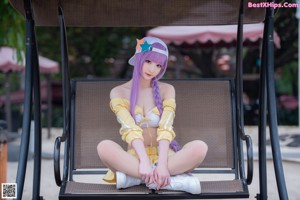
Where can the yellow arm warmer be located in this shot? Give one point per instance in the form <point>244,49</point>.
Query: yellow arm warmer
<point>129,130</point>
<point>165,127</point>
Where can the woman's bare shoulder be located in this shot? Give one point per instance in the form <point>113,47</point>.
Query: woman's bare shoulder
<point>120,91</point>
<point>167,90</point>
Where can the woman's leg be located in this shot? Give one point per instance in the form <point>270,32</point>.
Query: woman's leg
<point>189,157</point>
<point>116,159</point>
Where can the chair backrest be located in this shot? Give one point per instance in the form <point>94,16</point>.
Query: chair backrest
<point>204,111</point>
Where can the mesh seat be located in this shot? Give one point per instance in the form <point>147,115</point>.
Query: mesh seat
<point>203,112</point>
<point>206,187</point>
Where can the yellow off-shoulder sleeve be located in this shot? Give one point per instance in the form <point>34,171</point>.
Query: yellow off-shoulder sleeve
<point>165,126</point>
<point>129,130</point>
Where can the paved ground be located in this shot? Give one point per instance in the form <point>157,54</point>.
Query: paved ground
<point>290,146</point>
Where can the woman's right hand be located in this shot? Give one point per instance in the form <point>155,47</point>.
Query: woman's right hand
<point>145,167</point>
<point>145,171</point>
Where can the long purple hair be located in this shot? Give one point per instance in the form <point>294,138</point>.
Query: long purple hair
<point>161,59</point>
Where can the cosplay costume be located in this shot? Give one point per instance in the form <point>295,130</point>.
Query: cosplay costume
<point>132,128</point>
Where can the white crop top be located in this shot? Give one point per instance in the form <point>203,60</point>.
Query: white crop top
<point>150,120</point>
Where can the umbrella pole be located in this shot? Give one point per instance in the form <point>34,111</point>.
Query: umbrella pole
<point>8,102</point>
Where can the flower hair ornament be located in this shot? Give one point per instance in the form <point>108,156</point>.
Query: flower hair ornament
<point>145,45</point>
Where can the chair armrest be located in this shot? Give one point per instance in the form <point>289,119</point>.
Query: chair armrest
<point>56,157</point>
<point>249,146</point>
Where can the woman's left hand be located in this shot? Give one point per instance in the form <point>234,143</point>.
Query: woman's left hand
<point>161,176</point>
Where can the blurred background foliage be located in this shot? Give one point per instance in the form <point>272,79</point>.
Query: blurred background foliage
<point>286,66</point>
<point>90,49</point>
<point>95,52</point>
<point>12,31</point>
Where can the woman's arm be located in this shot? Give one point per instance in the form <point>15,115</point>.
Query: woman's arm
<point>163,152</point>
<point>131,133</point>
<point>145,168</point>
<point>161,173</point>
<point>165,127</point>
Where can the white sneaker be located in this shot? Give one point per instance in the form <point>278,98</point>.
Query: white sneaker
<point>125,181</point>
<point>182,182</point>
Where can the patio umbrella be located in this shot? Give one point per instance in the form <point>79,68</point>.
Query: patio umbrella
<point>215,35</point>
<point>9,63</point>
<point>210,36</point>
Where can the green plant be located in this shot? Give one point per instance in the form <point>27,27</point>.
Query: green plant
<point>12,32</point>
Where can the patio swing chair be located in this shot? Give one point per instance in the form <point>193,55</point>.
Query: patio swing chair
<point>222,125</point>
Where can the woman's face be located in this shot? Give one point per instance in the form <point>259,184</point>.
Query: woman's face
<point>150,69</point>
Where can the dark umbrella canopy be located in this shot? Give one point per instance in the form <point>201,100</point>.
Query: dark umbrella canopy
<point>132,13</point>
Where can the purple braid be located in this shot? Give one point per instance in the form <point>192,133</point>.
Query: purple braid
<point>156,95</point>
<point>174,145</point>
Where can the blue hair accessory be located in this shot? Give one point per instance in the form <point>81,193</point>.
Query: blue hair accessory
<point>145,46</point>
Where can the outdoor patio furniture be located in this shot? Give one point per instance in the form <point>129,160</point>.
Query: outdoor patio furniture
<point>205,111</point>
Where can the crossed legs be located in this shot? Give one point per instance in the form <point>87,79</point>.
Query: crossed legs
<point>189,157</point>
<point>115,158</point>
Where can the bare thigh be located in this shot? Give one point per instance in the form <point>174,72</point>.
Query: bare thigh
<point>116,159</point>
<point>188,158</point>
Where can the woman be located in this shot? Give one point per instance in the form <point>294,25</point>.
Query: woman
<point>145,108</point>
